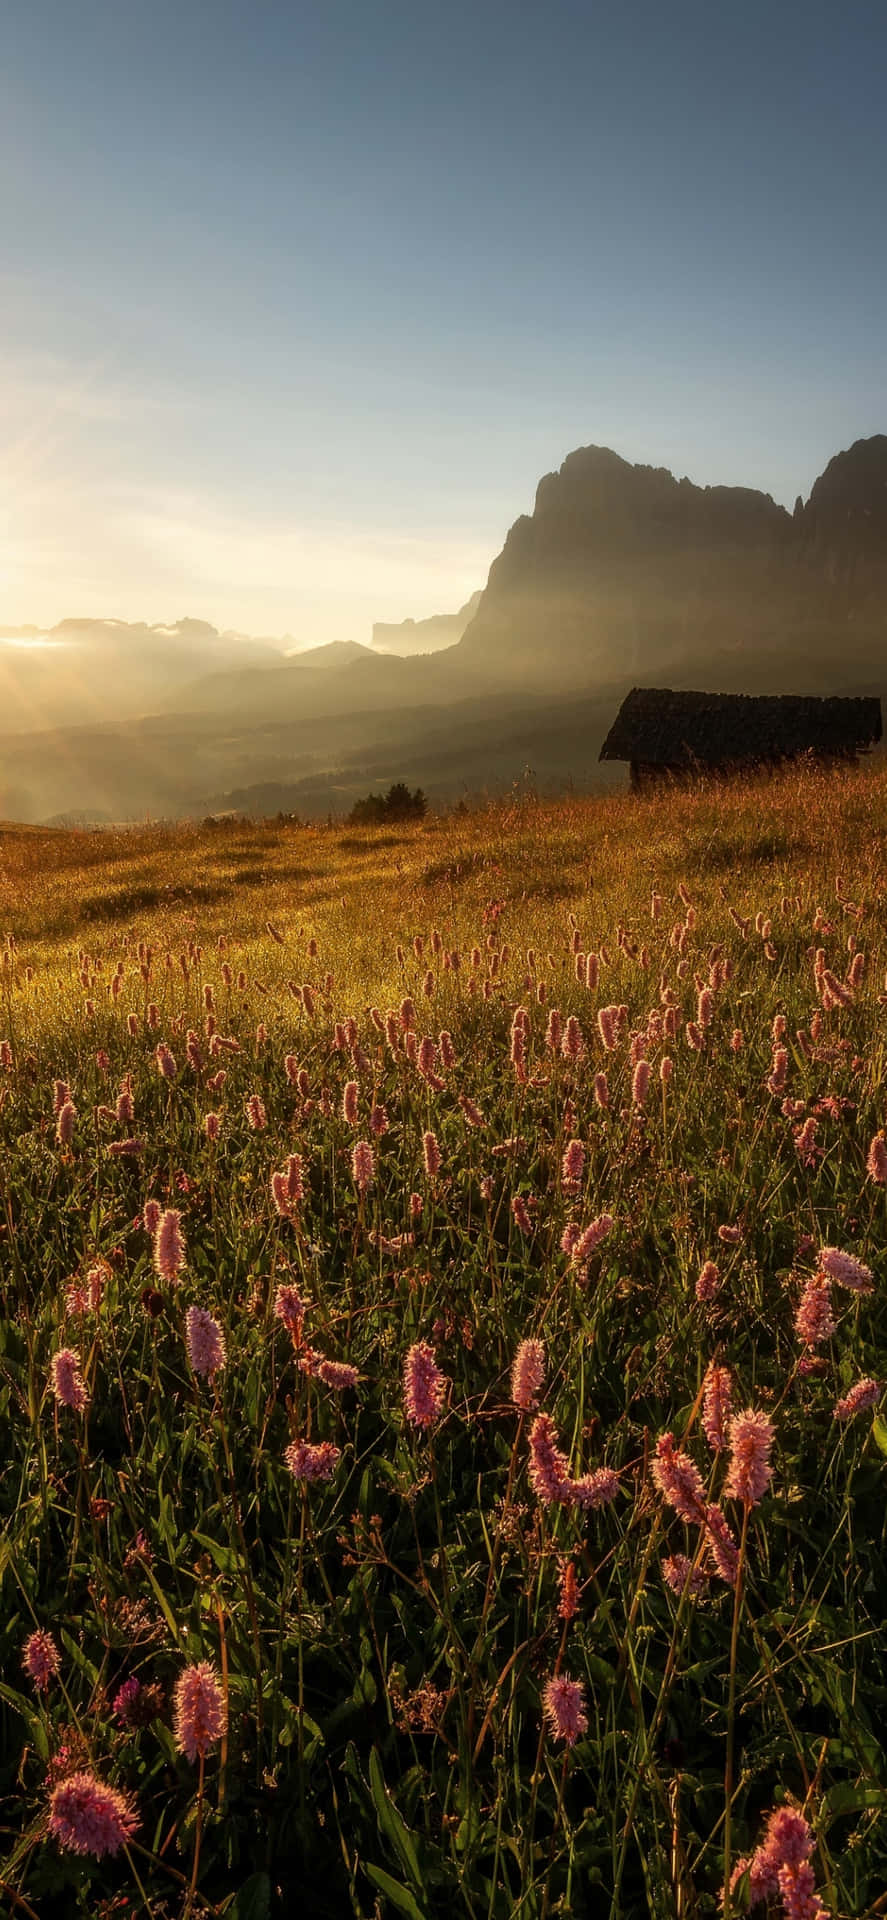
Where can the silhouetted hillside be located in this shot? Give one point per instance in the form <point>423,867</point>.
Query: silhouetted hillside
<point>625,572</point>
<point>424,636</point>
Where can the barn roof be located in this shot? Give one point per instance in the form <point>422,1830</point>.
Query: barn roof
<point>662,728</point>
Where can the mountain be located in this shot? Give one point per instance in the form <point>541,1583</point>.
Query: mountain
<point>425,636</point>
<point>623,573</point>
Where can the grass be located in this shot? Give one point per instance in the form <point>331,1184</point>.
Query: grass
<point>383,1638</point>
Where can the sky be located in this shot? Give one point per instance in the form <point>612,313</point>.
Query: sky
<point>299,301</point>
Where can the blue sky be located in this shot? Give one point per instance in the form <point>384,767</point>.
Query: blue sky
<point>297,303</point>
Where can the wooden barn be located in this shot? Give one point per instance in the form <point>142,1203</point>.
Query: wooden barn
<point>673,736</point>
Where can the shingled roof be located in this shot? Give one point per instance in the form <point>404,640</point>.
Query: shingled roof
<point>657,727</point>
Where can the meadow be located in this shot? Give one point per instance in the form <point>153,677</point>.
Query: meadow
<point>442,1359</point>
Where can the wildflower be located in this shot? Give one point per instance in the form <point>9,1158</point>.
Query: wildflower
<point>85,1816</point>
<point>640,1082</point>
<point>554,1031</point>
<point>797,1886</point>
<point>349,1102</point>
<point>876,1164</point>
<point>593,1490</point>
<point>549,1467</point>
<point>678,1479</point>
<point>682,1577</point>
<point>169,1245</point>
<point>608,1027</point>
<point>166,1065</point>
<point>363,1166</point>
<point>205,1341</point>
<point>666,1069</point>
<point>520,1213</point>
<point>563,1706</point>
<point>568,1600</point>
<point>694,1036</point>
<point>316,1464</point>
<point>417,1204</point>
<point>805,1142</point>
<point>338,1375</point>
<point>61,1096</point>
<point>64,1130</point>
<point>67,1384</point>
<point>722,1549</point>
<point>844,1268</point>
<point>813,1320</point>
<point>750,1472</point>
<point>708,1282</point>
<point>379,1122</point>
<point>290,1307</point>
<point>255,1113</point>
<point>212,1125</point>
<point>40,1659</point>
<point>865,1393</point>
<point>601,1090</point>
<point>527,1373</point>
<point>200,1714</point>
<point>431,1155</point>
<point>730,1236</point>
<point>424,1386</point>
<point>590,1238</point>
<point>716,1405</point>
<point>787,1845</point>
<point>572,1044</point>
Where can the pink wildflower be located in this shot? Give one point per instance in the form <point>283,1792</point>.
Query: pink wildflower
<point>572,1044</point>
<point>166,1065</point>
<point>316,1464</point>
<point>593,1490</point>
<point>527,1373</point>
<point>64,1130</point>
<point>363,1166</point>
<point>151,1216</point>
<point>573,1164</point>
<point>520,1213</point>
<point>730,1236</point>
<point>378,1122</point>
<point>563,1704</point>
<point>709,1281</point>
<point>865,1393</point>
<point>876,1164</point>
<point>169,1245</point>
<point>797,1886</point>
<point>255,1113</point>
<point>549,1467</point>
<point>716,1406</point>
<point>640,1082</point>
<point>601,1090</point>
<point>424,1386</point>
<point>200,1716</point>
<point>40,1659</point>
<point>87,1817</point>
<point>723,1551</point>
<point>338,1375</point>
<point>212,1125</point>
<point>750,1472</point>
<point>205,1340</point>
<point>848,1271</point>
<point>67,1384</point>
<point>590,1238</point>
<point>608,1027</point>
<point>682,1577</point>
<point>349,1102</point>
<point>431,1155</point>
<point>290,1307</point>
<point>678,1479</point>
<point>813,1320</point>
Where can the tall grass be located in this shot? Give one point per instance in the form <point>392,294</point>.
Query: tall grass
<point>384,1635</point>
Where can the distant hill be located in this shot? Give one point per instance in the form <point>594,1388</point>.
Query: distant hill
<point>425,636</point>
<point>85,671</point>
<point>624,572</point>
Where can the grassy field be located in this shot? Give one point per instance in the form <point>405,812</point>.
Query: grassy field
<point>431,1264</point>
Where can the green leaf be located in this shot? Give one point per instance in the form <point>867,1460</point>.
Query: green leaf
<point>879,1429</point>
<point>253,1902</point>
<point>400,1897</point>
<point>223,1557</point>
<point>391,1822</point>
